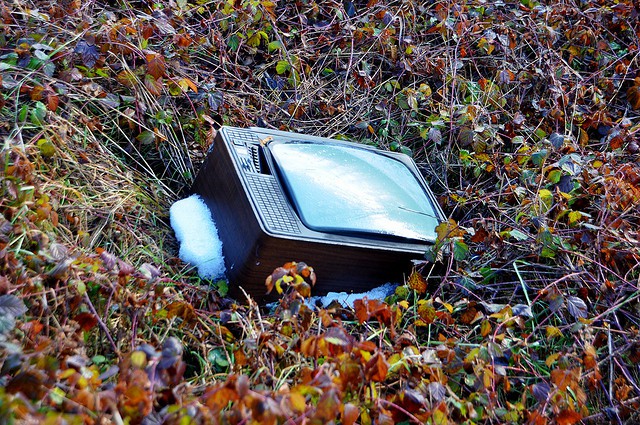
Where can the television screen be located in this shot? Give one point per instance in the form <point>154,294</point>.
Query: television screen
<point>348,189</point>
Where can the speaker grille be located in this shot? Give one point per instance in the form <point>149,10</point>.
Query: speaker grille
<point>277,214</point>
<point>241,137</point>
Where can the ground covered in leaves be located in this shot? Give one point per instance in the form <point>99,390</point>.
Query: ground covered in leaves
<point>522,115</point>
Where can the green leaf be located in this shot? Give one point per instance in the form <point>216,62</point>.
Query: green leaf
<point>327,71</point>
<point>47,149</point>
<point>540,134</point>
<point>234,42</point>
<point>402,101</point>
<point>539,157</point>
<point>57,395</point>
<point>99,359</point>
<point>554,176</point>
<point>147,137</point>
<point>518,235</point>
<point>222,286</point>
<point>274,45</point>
<point>547,253</point>
<point>22,115</point>
<point>81,287</point>
<point>38,114</point>
<point>218,359</point>
<point>574,217</point>
<point>546,198</point>
<point>256,38</point>
<point>282,67</point>
<point>460,250</point>
<point>431,254</point>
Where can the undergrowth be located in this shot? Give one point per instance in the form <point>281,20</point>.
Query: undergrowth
<point>522,115</point>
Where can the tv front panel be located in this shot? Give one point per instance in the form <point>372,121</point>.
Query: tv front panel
<point>356,214</point>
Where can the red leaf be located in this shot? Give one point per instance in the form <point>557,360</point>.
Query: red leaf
<point>350,414</point>
<point>480,235</point>
<point>86,321</point>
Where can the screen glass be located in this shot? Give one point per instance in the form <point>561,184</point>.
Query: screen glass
<point>339,188</point>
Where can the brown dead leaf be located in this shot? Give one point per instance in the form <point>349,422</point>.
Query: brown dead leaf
<point>633,96</point>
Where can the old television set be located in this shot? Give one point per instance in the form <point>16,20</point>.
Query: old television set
<point>356,214</point>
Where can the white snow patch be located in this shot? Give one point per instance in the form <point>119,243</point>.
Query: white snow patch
<point>200,245</point>
<point>347,300</point>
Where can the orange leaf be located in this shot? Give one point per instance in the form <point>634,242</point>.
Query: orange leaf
<point>182,310</point>
<point>36,93</point>
<point>589,357</point>
<point>568,417</point>
<point>188,83</point>
<point>376,368</point>
<point>269,7</point>
<point>182,40</point>
<point>485,328</point>
<point>217,399</point>
<point>469,314</point>
<point>362,313</point>
<point>366,309</point>
<point>417,282</point>
<point>52,102</point>
<point>426,311</point>
<point>328,406</point>
<point>297,402</point>
<point>564,378</point>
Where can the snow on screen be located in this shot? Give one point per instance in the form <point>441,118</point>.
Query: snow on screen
<point>201,247</point>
